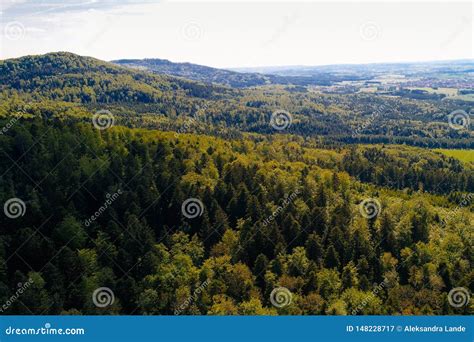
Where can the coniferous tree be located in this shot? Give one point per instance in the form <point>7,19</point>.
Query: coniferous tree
<point>331,258</point>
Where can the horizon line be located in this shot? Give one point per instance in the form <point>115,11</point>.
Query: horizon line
<point>234,68</point>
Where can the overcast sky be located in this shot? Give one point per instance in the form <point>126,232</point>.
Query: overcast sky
<point>240,33</point>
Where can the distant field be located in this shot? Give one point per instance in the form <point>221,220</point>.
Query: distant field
<point>467,97</point>
<point>466,156</point>
<point>368,90</point>
<point>445,91</point>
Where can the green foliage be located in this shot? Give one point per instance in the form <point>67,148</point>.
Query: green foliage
<point>277,210</point>
<point>143,99</point>
<point>156,259</point>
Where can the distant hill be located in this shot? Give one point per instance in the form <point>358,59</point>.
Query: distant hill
<point>69,77</point>
<point>47,84</point>
<point>323,75</point>
<point>406,68</point>
<point>233,78</point>
<point>456,73</point>
<point>196,72</point>
<point>125,192</point>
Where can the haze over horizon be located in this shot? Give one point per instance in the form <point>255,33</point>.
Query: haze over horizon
<point>212,34</point>
<point>237,68</point>
<point>253,68</point>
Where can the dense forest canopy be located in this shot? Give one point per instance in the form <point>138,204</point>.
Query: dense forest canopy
<point>141,99</point>
<point>190,202</point>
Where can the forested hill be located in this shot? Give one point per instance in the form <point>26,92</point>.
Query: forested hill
<point>233,78</point>
<point>69,77</point>
<point>139,98</point>
<point>111,209</point>
<point>213,206</point>
<point>196,72</point>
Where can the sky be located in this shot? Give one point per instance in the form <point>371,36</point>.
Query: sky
<point>240,33</point>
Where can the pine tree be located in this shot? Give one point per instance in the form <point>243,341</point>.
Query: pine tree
<point>419,223</point>
<point>331,258</point>
<point>349,276</point>
<point>259,269</point>
<point>314,248</point>
<point>388,240</point>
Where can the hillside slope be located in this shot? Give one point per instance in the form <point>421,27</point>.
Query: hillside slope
<point>69,77</point>
<point>233,78</point>
<point>110,208</point>
<point>141,98</point>
<point>196,72</point>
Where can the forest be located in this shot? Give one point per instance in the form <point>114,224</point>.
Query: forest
<point>143,99</point>
<point>190,203</point>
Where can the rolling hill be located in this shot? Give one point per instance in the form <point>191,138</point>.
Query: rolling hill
<point>140,98</point>
<point>196,72</point>
<point>234,78</point>
<point>193,190</point>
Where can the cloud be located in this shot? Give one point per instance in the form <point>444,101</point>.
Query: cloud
<point>23,9</point>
